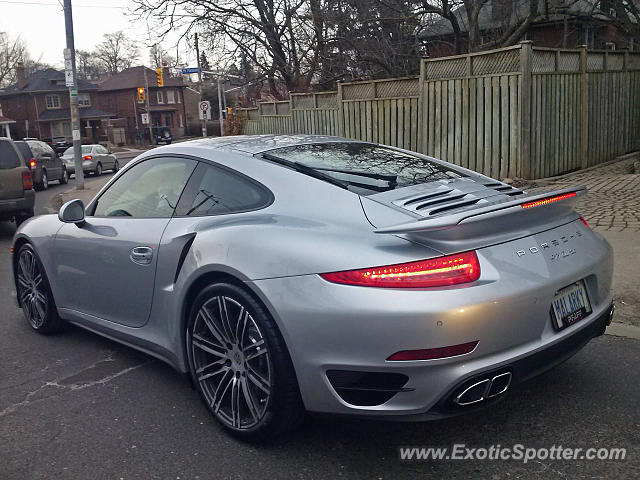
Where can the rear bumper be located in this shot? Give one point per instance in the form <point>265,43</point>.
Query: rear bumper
<point>13,206</point>
<point>333,328</point>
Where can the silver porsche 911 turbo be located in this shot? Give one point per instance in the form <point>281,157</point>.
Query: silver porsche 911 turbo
<point>296,273</point>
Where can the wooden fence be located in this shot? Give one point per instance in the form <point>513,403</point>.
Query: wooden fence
<point>520,111</point>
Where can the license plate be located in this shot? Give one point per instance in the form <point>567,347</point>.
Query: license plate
<point>570,305</point>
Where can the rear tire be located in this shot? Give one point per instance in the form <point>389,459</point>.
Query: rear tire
<point>64,179</point>
<point>116,167</point>
<point>34,292</point>
<point>44,182</point>
<point>98,170</point>
<point>240,365</point>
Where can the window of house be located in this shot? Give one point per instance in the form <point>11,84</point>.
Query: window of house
<point>180,99</point>
<point>53,101</point>
<point>181,120</point>
<point>159,96</point>
<point>84,100</point>
<point>171,96</point>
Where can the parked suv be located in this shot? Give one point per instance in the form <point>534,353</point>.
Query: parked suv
<point>16,185</point>
<point>59,144</point>
<point>162,135</point>
<point>44,163</point>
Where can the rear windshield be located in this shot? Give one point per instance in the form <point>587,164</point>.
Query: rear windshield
<point>23,148</point>
<point>86,150</point>
<point>364,167</point>
<point>8,156</point>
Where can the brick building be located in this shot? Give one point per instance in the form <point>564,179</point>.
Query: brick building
<point>119,94</point>
<point>39,104</point>
<point>560,24</point>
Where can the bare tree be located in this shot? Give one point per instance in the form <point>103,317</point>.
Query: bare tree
<point>276,36</point>
<point>89,67</point>
<point>11,52</point>
<point>117,52</point>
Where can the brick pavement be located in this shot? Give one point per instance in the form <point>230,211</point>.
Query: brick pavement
<point>613,199</point>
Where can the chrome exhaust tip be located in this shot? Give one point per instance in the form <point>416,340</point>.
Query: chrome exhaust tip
<point>484,389</point>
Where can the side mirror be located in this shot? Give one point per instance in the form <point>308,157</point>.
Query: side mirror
<point>72,212</point>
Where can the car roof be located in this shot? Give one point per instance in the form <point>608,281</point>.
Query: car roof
<point>254,144</point>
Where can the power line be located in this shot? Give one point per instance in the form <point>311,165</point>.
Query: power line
<point>18,2</point>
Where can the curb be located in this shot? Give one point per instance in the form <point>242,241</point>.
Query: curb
<point>623,330</point>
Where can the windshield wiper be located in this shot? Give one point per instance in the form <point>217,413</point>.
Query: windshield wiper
<point>391,179</point>
<point>307,170</point>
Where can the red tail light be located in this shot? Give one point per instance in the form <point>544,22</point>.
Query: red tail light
<point>437,272</point>
<point>27,181</point>
<point>32,163</point>
<point>433,353</point>
<point>87,157</point>
<point>585,223</point>
<point>546,201</point>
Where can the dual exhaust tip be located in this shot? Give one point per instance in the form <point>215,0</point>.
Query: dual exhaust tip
<point>484,389</point>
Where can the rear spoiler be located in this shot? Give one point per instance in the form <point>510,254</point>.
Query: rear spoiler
<point>565,197</point>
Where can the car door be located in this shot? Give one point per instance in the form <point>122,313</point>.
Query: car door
<point>51,160</point>
<point>106,267</point>
<point>107,161</point>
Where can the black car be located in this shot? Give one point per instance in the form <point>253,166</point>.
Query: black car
<point>45,164</point>
<point>59,144</point>
<point>162,135</point>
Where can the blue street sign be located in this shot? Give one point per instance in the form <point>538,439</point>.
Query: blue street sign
<point>186,71</point>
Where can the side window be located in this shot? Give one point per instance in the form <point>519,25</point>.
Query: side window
<point>215,191</point>
<point>151,188</point>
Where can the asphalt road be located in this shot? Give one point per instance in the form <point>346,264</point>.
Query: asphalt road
<point>76,405</point>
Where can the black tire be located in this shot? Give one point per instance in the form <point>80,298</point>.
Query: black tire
<point>19,219</point>
<point>116,166</point>
<point>64,179</point>
<point>258,359</point>
<point>98,170</point>
<point>43,184</point>
<point>34,292</point>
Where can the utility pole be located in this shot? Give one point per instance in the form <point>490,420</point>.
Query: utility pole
<point>146,96</point>
<point>220,94</point>
<point>73,97</point>
<point>204,119</point>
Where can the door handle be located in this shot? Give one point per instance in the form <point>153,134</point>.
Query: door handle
<point>141,255</point>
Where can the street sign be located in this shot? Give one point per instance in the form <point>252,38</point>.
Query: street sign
<point>145,118</point>
<point>68,68</point>
<point>186,71</point>
<point>204,108</point>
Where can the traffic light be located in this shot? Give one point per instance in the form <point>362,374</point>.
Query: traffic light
<point>159,77</point>
<point>141,95</point>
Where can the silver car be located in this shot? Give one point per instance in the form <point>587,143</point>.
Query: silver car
<point>95,159</point>
<point>305,273</point>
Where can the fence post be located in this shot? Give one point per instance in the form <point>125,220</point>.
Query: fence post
<point>340,111</point>
<point>583,106</point>
<point>421,109</point>
<point>526,50</point>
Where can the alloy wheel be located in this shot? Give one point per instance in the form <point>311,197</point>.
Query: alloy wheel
<point>32,289</point>
<point>98,170</point>
<point>231,362</point>
<point>45,180</point>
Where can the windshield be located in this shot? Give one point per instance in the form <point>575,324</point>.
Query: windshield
<point>86,150</point>
<point>370,168</point>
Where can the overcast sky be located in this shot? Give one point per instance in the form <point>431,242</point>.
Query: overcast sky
<point>40,24</point>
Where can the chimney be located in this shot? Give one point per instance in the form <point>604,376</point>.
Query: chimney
<point>21,75</point>
<point>165,70</point>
